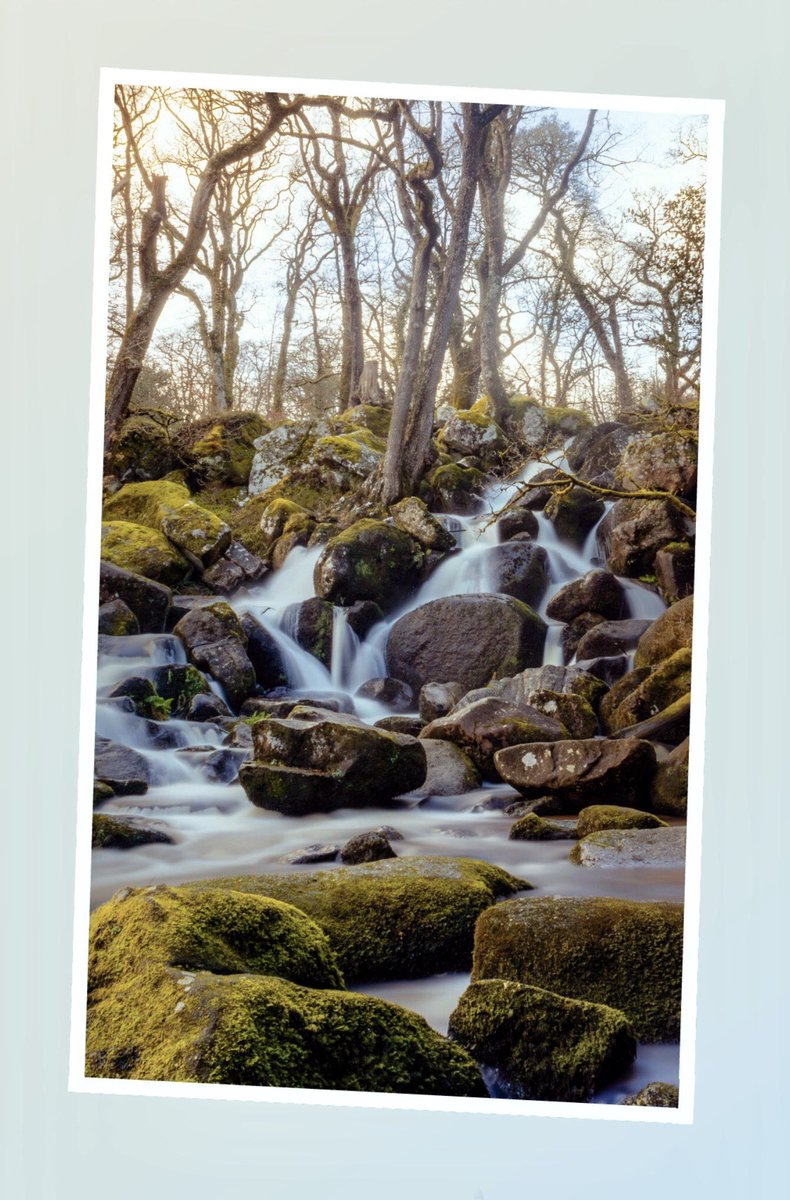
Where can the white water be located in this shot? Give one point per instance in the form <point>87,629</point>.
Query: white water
<point>218,832</point>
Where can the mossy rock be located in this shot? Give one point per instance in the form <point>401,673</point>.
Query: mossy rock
<point>369,561</point>
<point>475,433</point>
<point>534,828</point>
<point>623,953</point>
<point>146,503</point>
<point>368,416</point>
<point>143,551</point>
<point>655,1095</point>
<point>267,1032</point>
<point>368,439</point>
<point>222,930</point>
<point>351,455</point>
<point>573,513</point>
<point>654,692</point>
<point>399,918</point>
<point>144,449</point>
<point>661,847</point>
<point>220,447</point>
<point>542,1046</point>
<point>456,489</point>
<point>608,816</point>
<point>668,634</point>
<point>179,684</point>
<point>116,619</point>
<point>114,833</point>
<point>242,514</point>
<point>102,792</point>
<point>669,787</point>
<point>200,535</point>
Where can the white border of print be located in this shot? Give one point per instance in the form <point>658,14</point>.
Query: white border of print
<point>78,1081</point>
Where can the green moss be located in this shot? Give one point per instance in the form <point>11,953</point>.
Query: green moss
<point>116,834</point>
<point>533,828</point>
<point>178,686</point>
<point>142,550</point>
<point>544,1046</point>
<point>570,420</point>
<point>368,416</point>
<point>649,694</point>
<point>370,560</point>
<point>655,1095</point>
<point>366,438</point>
<point>101,792</point>
<point>394,919</point>
<point>220,447</point>
<point>609,816</point>
<point>623,953</point>
<point>146,503</point>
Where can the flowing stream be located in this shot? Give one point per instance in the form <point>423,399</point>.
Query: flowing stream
<point>218,832</point>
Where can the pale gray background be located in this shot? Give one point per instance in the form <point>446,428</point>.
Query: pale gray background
<point>59,1145</point>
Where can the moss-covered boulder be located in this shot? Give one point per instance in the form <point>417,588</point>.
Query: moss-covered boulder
<point>400,918</point>
<point>596,592</point>
<point>215,642</point>
<point>599,449</point>
<point>456,489</point>
<point>412,516</point>
<point>276,453</point>
<point>668,634</point>
<point>473,433</point>
<point>581,772</point>
<point>669,787</point>
<point>542,1046</point>
<point>179,684</point>
<point>149,601</point>
<point>317,761</point>
<point>623,953</point>
<point>146,503</point>
<point>655,1095</point>
<point>574,512</point>
<point>354,456</point>
<point>373,417</point>
<point>664,462</point>
<point>485,726</point>
<point>142,551</point>
<point>220,448</point>
<point>534,828</point>
<point>632,848</point>
<point>610,816</point>
<point>646,695</point>
<point>369,561</point>
<point>165,505</point>
<point>470,639</point>
<point>144,448</point>
<point>116,619</point>
<point>115,833</point>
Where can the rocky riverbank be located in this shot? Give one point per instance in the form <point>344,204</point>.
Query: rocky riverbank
<point>348,755</point>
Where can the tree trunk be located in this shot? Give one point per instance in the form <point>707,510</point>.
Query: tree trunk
<point>278,386</point>
<point>353,338</point>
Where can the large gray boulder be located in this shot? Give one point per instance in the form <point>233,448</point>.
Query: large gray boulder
<point>519,569</point>
<point>632,848</point>
<point>317,761</point>
<point>582,772</point>
<point>469,639</point>
<point>485,726</point>
<point>596,592</point>
<point>215,642</point>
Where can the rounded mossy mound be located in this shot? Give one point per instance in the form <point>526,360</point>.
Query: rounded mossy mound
<point>398,918</point>
<point>608,816</point>
<point>142,551</point>
<point>543,1046</point>
<point>220,448</point>
<point>269,1032</point>
<point>369,561</point>
<point>623,953</point>
<point>655,1095</point>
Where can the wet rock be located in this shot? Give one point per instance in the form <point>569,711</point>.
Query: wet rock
<point>215,642</point>
<point>264,654</point>
<point>365,848</point>
<point>207,708</point>
<point>674,568</point>
<point>362,616</point>
<point>572,634</point>
<point>530,685</point>
<point>253,567</point>
<point>412,516</point>
<point>149,601</point>
<point>517,520</point>
<point>670,726</point>
<point>542,1045</point>
<point>541,806</point>
<point>532,828</point>
<point>117,620</point>
<point>623,953</point>
<point>393,692</point>
<point>127,772</point>
<point>647,693</point>
<point>572,711</point>
<point>581,772</point>
<point>609,816</point>
<point>224,577</point>
<point>102,792</point>
<point>179,684</point>
<point>596,592</point>
<point>664,462</point>
<point>400,918</point>
<point>471,639</point>
<point>574,513</point>
<point>519,569</point>
<point>411,726</point>
<point>316,761</point>
<point>449,772</point>
<point>632,848</point>
<point>316,853</point>
<point>633,531</point>
<point>536,498</point>
<point>655,1095</point>
<point>600,449</point>
<point>114,833</point>
<point>457,489</point>
<point>611,638</point>
<point>310,624</point>
<point>668,634</point>
<point>669,788</point>
<point>483,727</point>
<point>437,699</point>
<point>210,623</point>
<point>223,765</point>
<point>369,561</point>
<point>607,668</point>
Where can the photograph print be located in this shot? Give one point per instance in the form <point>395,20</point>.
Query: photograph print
<point>390,586</point>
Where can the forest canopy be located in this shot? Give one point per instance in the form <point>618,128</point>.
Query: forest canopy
<point>295,255</point>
